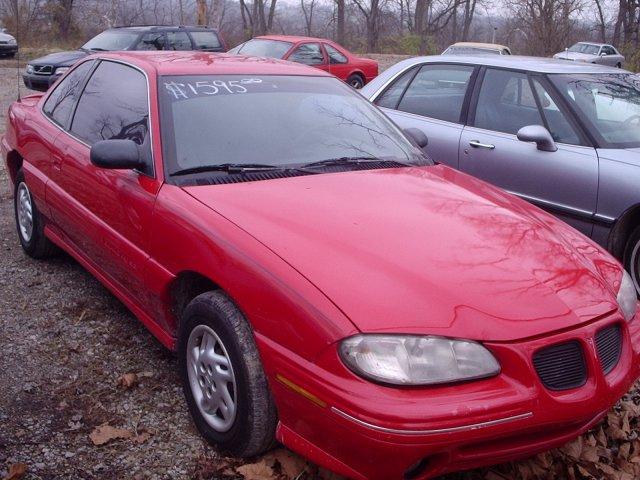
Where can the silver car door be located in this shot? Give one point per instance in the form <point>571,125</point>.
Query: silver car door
<point>431,97</point>
<point>563,182</point>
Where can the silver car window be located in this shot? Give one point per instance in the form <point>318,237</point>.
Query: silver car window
<point>561,130</point>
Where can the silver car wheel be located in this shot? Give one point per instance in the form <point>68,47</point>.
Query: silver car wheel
<point>211,378</point>
<point>25,211</point>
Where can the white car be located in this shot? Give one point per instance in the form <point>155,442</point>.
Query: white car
<point>600,53</point>
<point>8,44</point>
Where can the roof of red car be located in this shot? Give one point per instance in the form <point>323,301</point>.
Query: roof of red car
<point>197,63</point>
<point>294,38</point>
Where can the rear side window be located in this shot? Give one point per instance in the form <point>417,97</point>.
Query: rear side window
<point>307,53</point>
<point>206,40</point>
<point>60,103</point>
<point>437,91</point>
<point>391,97</point>
<point>114,105</point>
<point>334,55</point>
<point>506,102</point>
<point>178,41</point>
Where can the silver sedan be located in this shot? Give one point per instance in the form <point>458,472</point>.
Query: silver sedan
<point>562,135</point>
<point>599,53</point>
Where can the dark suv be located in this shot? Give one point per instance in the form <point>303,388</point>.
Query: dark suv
<point>43,72</point>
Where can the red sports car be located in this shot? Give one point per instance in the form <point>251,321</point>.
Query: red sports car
<point>317,52</point>
<point>323,282</point>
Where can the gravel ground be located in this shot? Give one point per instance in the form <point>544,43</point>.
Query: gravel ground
<point>66,343</point>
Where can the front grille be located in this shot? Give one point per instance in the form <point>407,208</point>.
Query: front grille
<point>43,69</point>
<point>609,347</point>
<point>561,366</point>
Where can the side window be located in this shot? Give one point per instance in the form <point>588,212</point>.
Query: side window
<point>437,91</point>
<point>307,53</point>
<point>608,50</point>
<point>334,55</point>
<point>561,130</point>
<point>59,104</point>
<point>114,105</point>
<point>391,97</point>
<point>206,40</point>
<point>506,102</point>
<point>178,41</point>
<point>151,41</point>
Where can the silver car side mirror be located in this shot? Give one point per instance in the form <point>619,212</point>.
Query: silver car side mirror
<point>539,135</point>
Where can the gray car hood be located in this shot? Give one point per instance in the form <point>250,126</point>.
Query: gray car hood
<point>575,56</point>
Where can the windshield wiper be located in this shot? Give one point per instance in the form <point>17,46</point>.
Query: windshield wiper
<point>228,168</point>
<point>336,162</point>
<point>96,49</point>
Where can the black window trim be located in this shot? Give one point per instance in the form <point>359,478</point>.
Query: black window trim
<point>67,129</point>
<point>586,140</point>
<point>464,110</point>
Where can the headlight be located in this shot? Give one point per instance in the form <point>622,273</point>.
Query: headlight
<point>627,296</point>
<point>12,41</point>
<point>61,70</point>
<point>29,68</point>
<point>417,360</point>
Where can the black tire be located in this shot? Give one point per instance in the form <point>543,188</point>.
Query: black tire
<point>37,245</point>
<point>253,429</point>
<point>619,65</point>
<point>631,258</point>
<point>356,81</point>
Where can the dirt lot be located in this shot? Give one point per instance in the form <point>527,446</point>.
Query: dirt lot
<point>65,343</point>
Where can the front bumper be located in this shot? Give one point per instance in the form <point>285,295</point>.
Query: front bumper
<point>368,431</point>
<point>39,82</point>
<point>8,49</point>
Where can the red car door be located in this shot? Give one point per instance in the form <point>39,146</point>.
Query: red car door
<point>338,62</point>
<point>310,53</point>
<point>105,214</point>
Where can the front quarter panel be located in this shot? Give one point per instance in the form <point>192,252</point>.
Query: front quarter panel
<point>279,302</point>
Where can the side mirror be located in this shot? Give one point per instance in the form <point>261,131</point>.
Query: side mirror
<point>116,154</point>
<point>539,135</point>
<point>603,54</point>
<point>417,137</point>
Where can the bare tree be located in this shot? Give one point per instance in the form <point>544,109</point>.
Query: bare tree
<point>201,15</point>
<point>370,9</point>
<point>307,7</point>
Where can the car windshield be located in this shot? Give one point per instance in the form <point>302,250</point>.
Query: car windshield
<point>281,121</point>
<point>264,48</point>
<point>470,51</point>
<point>585,48</point>
<point>609,104</point>
<point>111,40</point>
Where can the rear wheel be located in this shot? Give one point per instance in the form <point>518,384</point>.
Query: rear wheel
<point>356,81</point>
<point>619,65</point>
<point>222,377</point>
<point>29,222</point>
<point>632,258</point>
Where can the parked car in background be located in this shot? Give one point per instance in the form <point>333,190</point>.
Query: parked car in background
<point>44,71</point>
<point>600,53</point>
<point>8,44</point>
<point>321,280</point>
<point>473,48</point>
<point>562,135</point>
<point>316,52</point>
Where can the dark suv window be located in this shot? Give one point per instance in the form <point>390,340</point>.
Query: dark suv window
<point>114,105</point>
<point>151,41</point>
<point>59,104</point>
<point>178,41</point>
<point>437,91</point>
<point>206,40</point>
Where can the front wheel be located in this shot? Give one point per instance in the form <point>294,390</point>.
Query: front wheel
<point>356,81</point>
<point>29,222</point>
<point>222,377</point>
<point>619,65</point>
<point>632,258</point>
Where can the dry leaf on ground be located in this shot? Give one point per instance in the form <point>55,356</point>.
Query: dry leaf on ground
<point>105,433</point>
<point>128,380</point>
<point>260,470</point>
<point>16,471</point>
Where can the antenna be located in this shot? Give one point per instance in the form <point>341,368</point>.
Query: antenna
<point>18,50</point>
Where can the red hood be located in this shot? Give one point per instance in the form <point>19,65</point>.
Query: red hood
<point>426,250</point>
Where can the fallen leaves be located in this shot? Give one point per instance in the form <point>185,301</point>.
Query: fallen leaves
<point>106,433</point>
<point>16,471</point>
<point>128,380</point>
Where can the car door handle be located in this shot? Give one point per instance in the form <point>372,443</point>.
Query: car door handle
<point>477,144</point>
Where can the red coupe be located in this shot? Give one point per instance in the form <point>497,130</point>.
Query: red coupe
<point>323,282</point>
<point>317,52</point>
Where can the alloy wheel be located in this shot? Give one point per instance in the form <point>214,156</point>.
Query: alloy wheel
<point>25,211</point>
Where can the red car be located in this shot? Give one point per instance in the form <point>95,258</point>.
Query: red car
<point>323,282</point>
<point>317,52</point>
